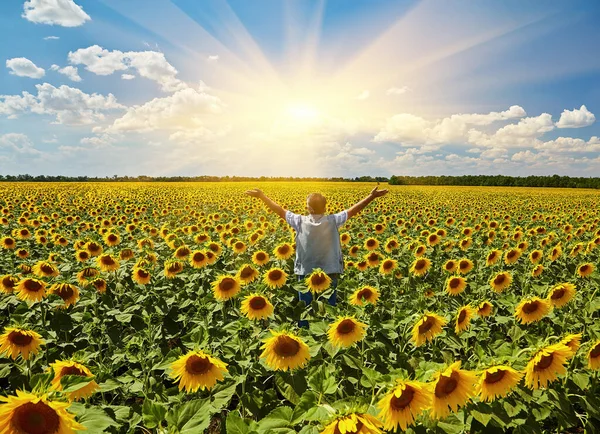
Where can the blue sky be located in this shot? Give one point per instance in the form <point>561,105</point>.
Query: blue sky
<point>299,88</point>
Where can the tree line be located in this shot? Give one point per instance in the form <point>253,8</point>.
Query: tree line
<point>555,181</point>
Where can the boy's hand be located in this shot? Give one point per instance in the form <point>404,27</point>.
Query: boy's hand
<point>378,193</point>
<point>256,192</point>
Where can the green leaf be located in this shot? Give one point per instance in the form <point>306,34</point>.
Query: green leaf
<point>93,418</point>
<point>281,417</point>
<point>581,380</point>
<point>482,418</point>
<point>153,413</point>
<point>235,424</point>
<point>192,417</point>
<point>222,397</point>
<point>321,381</point>
<point>72,383</point>
<point>109,385</point>
<point>123,317</point>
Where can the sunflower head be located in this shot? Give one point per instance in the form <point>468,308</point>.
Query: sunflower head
<point>247,274</point>
<point>455,285</point>
<point>429,326</point>
<point>353,423</point>
<point>346,331</point>
<point>30,289</point>
<point>546,364</point>
<point>275,278</point>
<point>197,370</point>
<point>366,294</point>
<point>420,266</point>
<point>463,318</point>
<point>17,340</point>
<point>68,292</point>
<point>257,306</point>
<point>284,350</point>
<point>561,294</point>
<point>497,382</point>
<point>400,406</point>
<point>584,270</point>
<point>226,287</point>
<point>8,283</point>
<point>532,310</point>
<point>452,388</point>
<point>63,368</point>
<point>485,308</point>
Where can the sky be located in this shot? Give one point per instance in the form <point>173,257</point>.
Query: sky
<point>299,87</point>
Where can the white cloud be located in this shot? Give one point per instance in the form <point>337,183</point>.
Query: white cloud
<point>213,58</point>
<point>407,128</point>
<point>127,76</point>
<point>102,141</point>
<point>68,105</point>
<point>567,145</point>
<point>363,95</point>
<point>576,118</point>
<point>184,109</point>
<point>48,38</point>
<point>54,139</point>
<point>149,64</point>
<point>61,12</point>
<point>523,134</point>
<point>70,71</point>
<point>18,143</point>
<point>24,67</point>
<point>397,90</point>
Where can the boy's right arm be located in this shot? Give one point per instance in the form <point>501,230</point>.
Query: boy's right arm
<point>273,206</point>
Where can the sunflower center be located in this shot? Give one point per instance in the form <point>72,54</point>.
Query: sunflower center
<point>463,265</point>
<point>66,292</point>
<point>283,249</point>
<point>227,284</point>
<point>346,326</point>
<point>494,377</point>
<point>258,303</point>
<point>462,316</point>
<point>72,370</point>
<point>246,272</point>
<point>107,260</point>
<point>446,385</point>
<point>499,280</point>
<point>47,269</point>
<point>449,265</point>
<point>420,264</point>
<point>197,365</point>
<point>399,403</point>
<point>373,257</point>
<point>388,265</point>
<point>32,285</point>
<point>364,293</point>
<point>511,254</point>
<point>535,255</point>
<point>142,273</point>
<point>491,256</point>
<point>112,238</point>
<point>93,247</point>
<point>530,307</point>
<point>260,256</point>
<point>286,347</point>
<point>454,283</point>
<point>371,243</point>
<point>544,363</point>
<point>38,418</point>
<point>8,282</point>
<point>19,339</point>
<point>584,268</point>
<point>557,294</point>
<point>595,352</point>
<point>426,326</point>
<point>275,275</point>
<point>198,257</point>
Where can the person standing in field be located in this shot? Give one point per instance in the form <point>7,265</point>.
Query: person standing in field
<point>317,237</point>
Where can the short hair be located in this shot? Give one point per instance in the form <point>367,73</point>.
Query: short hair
<point>316,203</point>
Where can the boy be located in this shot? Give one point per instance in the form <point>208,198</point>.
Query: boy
<point>317,237</point>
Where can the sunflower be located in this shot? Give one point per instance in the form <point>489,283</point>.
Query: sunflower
<point>68,292</point>
<point>99,284</point>
<point>594,356</point>
<point>561,294</point>
<point>141,276</point>
<point>22,253</point>
<point>256,306</point>
<point>182,252</point>
<point>346,331</point>
<point>497,382</point>
<point>485,308</point>
<point>215,248</point>
<point>366,294</point>
<point>28,413</point>
<point>420,266</point>
<point>353,423</point>
<point>126,254</point>
<point>425,329</point>
<point>537,270</point>
<point>545,366</point>
<point>226,287</point>
<point>211,257</point>
<point>247,274</point>
<point>556,252</point>
<point>17,340</point>
<point>466,243</point>
<point>239,247</point>
<point>450,266</point>
<point>283,251</point>
<point>111,239</point>
<point>464,266</point>
<point>390,245</point>
<point>284,350</point>
<point>362,265</point>
<point>260,258</point>
<point>197,370</point>
<point>572,341</point>
<point>30,289</point>
<point>275,278</point>
<point>501,281</point>
<point>8,283</point>
<point>94,248</point>
<point>68,367</point>
<point>8,243</point>
<point>198,259</point>
<point>400,406</point>
<point>107,263</point>
<point>532,309</point>
<point>373,259</point>
<point>45,269</point>
<point>584,270</point>
<point>463,318</point>
<point>452,388</point>
<point>371,244</point>
<point>387,266</point>
<point>433,239</point>
<point>455,285</point>
<point>82,255</point>
<point>492,257</point>
<point>420,251</point>
<point>172,268</point>
<point>87,274</point>
<point>345,238</point>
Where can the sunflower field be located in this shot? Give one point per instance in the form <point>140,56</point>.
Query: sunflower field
<point>173,308</point>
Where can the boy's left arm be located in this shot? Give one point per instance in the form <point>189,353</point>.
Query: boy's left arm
<point>358,207</point>
<point>271,204</point>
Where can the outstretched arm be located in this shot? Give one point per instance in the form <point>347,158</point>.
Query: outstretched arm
<point>357,207</point>
<point>273,206</point>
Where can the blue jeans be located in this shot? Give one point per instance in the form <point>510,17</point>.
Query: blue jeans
<point>307,297</point>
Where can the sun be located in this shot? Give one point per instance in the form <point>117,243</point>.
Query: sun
<point>301,111</point>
